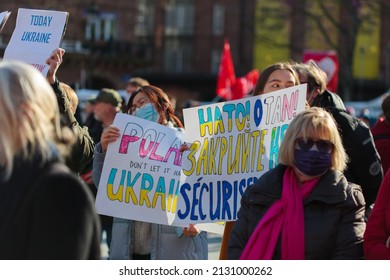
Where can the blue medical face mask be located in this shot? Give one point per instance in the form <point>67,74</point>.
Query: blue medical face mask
<point>312,162</point>
<point>147,112</point>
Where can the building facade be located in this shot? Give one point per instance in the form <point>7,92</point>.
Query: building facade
<point>175,44</point>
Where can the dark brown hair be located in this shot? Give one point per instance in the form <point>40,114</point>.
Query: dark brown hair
<point>264,75</point>
<point>161,101</point>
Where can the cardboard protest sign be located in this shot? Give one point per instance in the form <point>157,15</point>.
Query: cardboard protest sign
<point>231,145</point>
<point>3,19</point>
<point>141,173</point>
<point>36,35</point>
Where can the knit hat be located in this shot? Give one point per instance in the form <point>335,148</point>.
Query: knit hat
<point>107,95</point>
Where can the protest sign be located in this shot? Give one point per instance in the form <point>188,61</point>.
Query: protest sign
<point>3,19</point>
<point>36,35</point>
<point>146,178</point>
<point>231,145</point>
<point>141,173</point>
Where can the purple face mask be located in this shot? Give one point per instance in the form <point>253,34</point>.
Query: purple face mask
<point>312,163</point>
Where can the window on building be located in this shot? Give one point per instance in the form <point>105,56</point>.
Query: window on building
<point>218,19</point>
<point>177,56</point>
<point>179,17</point>
<point>215,61</point>
<point>101,27</point>
<point>145,18</point>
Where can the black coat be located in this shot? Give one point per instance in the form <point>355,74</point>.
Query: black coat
<point>334,216</point>
<point>364,165</point>
<point>46,212</point>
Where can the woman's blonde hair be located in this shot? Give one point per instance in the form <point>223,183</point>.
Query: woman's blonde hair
<point>29,115</point>
<point>312,122</point>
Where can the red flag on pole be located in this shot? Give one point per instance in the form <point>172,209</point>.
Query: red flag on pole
<point>226,77</point>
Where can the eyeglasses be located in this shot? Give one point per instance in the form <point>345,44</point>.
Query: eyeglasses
<point>141,102</point>
<point>307,145</point>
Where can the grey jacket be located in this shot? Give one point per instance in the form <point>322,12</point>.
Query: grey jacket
<point>168,243</point>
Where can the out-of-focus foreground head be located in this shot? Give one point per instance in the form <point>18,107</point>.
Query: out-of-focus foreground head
<point>29,115</point>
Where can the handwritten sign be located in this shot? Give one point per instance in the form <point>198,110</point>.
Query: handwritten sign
<point>3,19</point>
<point>36,35</point>
<point>141,173</point>
<point>231,145</point>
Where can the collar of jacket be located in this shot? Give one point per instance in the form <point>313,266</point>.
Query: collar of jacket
<point>329,100</point>
<point>331,189</point>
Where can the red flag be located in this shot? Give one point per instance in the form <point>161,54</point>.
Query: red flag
<point>328,62</point>
<point>246,84</point>
<point>226,77</point>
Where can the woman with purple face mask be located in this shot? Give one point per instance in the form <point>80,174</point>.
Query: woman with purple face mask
<point>142,240</point>
<point>304,208</point>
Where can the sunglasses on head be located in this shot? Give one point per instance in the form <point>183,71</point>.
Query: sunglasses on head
<point>307,144</point>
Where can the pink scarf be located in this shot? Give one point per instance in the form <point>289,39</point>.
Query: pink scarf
<point>285,216</point>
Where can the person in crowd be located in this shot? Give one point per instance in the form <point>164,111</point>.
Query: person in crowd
<point>95,127</point>
<point>304,208</point>
<point>132,85</point>
<point>71,95</point>
<point>381,134</point>
<point>107,104</point>
<point>377,235</point>
<point>143,240</point>
<point>364,167</point>
<point>275,77</point>
<point>80,159</point>
<point>46,212</point>
<point>367,117</point>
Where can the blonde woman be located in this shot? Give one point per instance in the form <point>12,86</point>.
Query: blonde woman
<point>45,210</point>
<point>304,208</point>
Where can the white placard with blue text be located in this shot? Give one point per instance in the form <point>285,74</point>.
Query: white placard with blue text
<point>231,145</point>
<point>36,35</point>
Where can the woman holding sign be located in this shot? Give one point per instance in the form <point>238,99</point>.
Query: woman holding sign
<point>304,208</point>
<point>143,240</point>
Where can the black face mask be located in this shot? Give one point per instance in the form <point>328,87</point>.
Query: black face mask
<point>312,163</point>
